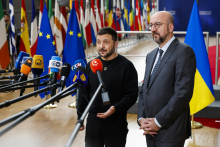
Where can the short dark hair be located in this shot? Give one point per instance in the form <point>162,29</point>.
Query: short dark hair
<point>110,31</point>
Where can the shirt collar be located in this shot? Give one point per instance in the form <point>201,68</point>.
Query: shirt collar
<point>165,47</point>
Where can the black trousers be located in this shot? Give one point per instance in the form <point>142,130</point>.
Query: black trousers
<point>100,132</point>
<point>153,142</point>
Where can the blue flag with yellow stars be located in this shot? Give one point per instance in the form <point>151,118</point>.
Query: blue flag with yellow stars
<point>73,48</point>
<point>46,44</point>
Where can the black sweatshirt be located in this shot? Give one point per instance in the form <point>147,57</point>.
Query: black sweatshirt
<point>121,82</point>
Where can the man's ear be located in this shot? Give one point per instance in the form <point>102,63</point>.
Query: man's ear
<point>171,27</point>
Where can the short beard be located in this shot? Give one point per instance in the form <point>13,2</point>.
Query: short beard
<point>160,40</point>
<point>108,54</point>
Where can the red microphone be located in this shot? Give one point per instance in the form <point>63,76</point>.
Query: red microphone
<point>96,67</point>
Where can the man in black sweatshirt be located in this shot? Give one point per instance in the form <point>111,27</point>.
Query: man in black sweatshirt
<point>107,124</point>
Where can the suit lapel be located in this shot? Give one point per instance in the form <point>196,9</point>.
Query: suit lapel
<point>149,64</point>
<point>166,56</point>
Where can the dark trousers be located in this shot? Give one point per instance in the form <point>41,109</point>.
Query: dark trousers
<point>100,132</point>
<point>153,142</point>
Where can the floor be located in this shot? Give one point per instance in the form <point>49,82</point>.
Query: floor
<point>53,127</point>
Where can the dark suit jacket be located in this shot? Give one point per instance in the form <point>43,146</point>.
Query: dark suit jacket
<point>168,96</point>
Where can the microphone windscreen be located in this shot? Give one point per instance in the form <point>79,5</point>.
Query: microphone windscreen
<point>77,63</point>
<point>55,64</point>
<point>65,70</point>
<point>96,65</point>
<point>26,66</point>
<point>37,66</point>
<point>38,62</point>
<point>81,76</point>
<point>19,59</point>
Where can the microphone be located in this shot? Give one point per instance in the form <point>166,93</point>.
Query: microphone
<point>80,76</point>
<point>77,63</point>
<point>97,67</point>
<point>55,65</point>
<point>25,70</point>
<point>18,63</point>
<point>65,71</point>
<point>37,68</point>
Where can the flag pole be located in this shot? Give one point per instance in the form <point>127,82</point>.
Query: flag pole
<point>195,124</point>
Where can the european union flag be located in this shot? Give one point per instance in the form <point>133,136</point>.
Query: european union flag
<point>46,44</point>
<point>73,48</point>
<point>203,93</point>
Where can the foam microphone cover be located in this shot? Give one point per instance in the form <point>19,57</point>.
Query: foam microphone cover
<point>96,65</point>
<point>37,66</point>
<point>55,64</point>
<point>26,66</point>
<point>19,59</point>
<point>81,76</point>
<point>65,71</point>
<point>77,63</point>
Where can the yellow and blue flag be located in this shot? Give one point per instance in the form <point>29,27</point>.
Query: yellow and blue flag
<point>203,93</point>
<point>46,44</point>
<point>73,48</point>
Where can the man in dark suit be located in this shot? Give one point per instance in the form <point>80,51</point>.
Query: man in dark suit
<point>163,108</point>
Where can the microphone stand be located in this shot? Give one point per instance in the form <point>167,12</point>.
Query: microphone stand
<point>80,121</point>
<point>34,109</point>
<point>20,83</point>
<point>11,118</point>
<point>26,86</point>
<point>9,102</point>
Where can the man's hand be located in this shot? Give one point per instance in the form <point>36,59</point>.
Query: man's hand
<point>108,113</point>
<point>149,126</point>
<point>82,128</point>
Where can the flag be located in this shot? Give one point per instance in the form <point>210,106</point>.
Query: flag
<point>57,30</point>
<point>33,30</point>
<point>102,13</point>
<point>24,37</point>
<point>12,41</point>
<point>46,44</point>
<point>119,24</point>
<point>203,93</point>
<point>111,22</point>
<point>106,12</point>
<point>77,10</point>
<point>98,16</point>
<point>40,13</point>
<point>4,53</point>
<point>93,23</point>
<point>131,17</point>
<point>51,16</point>
<point>122,16</point>
<point>63,24</point>
<point>138,17</point>
<point>82,24</point>
<point>73,48</point>
<point>126,17</point>
<point>148,13</point>
<point>88,25</point>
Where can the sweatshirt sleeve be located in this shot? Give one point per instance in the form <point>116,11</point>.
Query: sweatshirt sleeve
<point>130,90</point>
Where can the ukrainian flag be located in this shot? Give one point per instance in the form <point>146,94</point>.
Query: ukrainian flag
<point>203,93</point>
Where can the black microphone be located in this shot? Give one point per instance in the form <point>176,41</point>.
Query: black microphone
<point>37,68</point>
<point>25,70</point>
<point>65,71</point>
<point>55,65</point>
<point>18,64</point>
<point>96,67</point>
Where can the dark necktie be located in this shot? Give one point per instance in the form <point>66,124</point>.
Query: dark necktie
<point>155,67</point>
